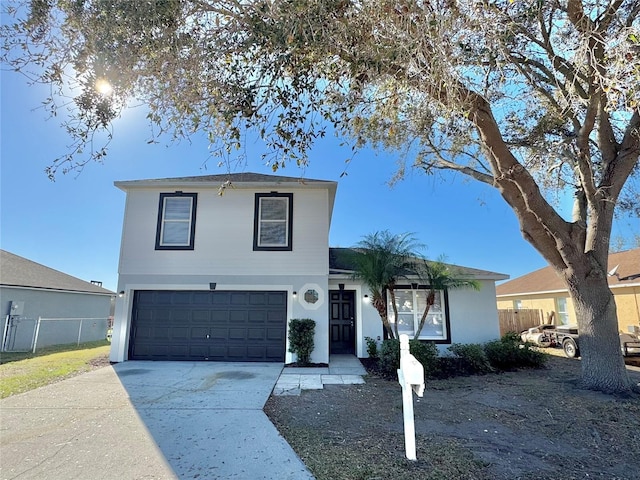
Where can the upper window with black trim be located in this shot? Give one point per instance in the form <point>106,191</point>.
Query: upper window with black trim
<point>411,304</point>
<point>176,221</point>
<point>273,221</point>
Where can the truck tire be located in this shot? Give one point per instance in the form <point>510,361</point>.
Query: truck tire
<point>570,348</point>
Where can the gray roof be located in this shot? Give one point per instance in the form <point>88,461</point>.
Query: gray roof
<point>341,261</point>
<point>16,271</point>
<point>250,178</point>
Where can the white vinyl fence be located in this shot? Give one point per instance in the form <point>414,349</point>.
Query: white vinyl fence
<point>27,334</point>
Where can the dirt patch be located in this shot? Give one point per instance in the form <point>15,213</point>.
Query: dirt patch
<point>532,424</point>
<point>99,362</point>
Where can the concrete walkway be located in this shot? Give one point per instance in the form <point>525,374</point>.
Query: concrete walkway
<point>342,370</point>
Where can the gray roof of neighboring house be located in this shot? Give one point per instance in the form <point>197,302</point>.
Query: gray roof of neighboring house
<point>341,261</point>
<point>16,271</point>
<point>546,279</point>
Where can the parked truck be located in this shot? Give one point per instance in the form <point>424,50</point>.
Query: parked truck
<point>567,338</point>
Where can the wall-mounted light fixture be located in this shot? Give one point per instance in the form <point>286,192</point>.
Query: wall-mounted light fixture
<point>365,299</point>
<point>212,286</point>
<point>341,286</point>
<point>295,294</point>
<point>121,293</point>
<point>414,286</point>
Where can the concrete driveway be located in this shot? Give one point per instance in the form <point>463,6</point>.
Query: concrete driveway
<point>149,420</point>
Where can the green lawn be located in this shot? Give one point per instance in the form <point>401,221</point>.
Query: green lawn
<point>20,372</point>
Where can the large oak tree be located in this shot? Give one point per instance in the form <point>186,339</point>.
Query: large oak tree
<point>526,96</point>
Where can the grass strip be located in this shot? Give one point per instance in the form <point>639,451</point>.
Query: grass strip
<point>18,375</point>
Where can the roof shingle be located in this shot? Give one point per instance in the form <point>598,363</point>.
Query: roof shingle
<point>16,271</point>
<point>546,279</point>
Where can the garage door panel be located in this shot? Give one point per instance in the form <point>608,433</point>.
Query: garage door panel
<point>237,334</point>
<point>160,315</point>
<point>199,315</point>
<point>277,298</point>
<point>160,333</point>
<point>182,298</point>
<point>220,300</point>
<point>181,316</point>
<point>209,325</point>
<point>199,332</point>
<point>257,316</point>
<point>219,316</point>
<point>255,333</point>
<point>201,298</point>
<point>238,316</point>
<point>162,298</point>
<point>238,298</point>
<point>180,333</point>
<point>219,333</point>
<point>275,334</point>
<point>256,352</point>
<point>271,354</point>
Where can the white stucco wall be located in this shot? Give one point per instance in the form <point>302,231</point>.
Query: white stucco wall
<point>223,253</point>
<point>474,314</point>
<point>223,243</point>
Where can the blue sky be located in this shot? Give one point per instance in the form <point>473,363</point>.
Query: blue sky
<point>74,224</point>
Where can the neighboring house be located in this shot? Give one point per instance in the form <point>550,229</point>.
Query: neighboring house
<point>544,290</point>
<point>29,291</point>
<point>213,268</point>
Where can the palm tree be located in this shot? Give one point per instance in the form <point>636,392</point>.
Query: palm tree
<point>380,259</point>
<point>439,276</point>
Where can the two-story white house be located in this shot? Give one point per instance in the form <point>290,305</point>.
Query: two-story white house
<point>213,268</point>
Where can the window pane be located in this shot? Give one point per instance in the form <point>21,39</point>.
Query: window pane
<point>273,209</point>
<point>405,323</point>
<point>404,301</point>
<point>273,233</point>
<point>175,233</point>
<point>177,208</point>
<point>433,326</point>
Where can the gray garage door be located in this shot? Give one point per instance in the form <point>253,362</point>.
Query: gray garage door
<point>243,326</point>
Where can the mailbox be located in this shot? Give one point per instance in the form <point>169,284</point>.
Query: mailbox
<point>411,374</point>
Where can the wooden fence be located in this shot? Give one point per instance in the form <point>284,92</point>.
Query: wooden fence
<point>519,320</point>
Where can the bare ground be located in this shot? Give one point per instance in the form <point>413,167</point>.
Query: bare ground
<point>531,424</point>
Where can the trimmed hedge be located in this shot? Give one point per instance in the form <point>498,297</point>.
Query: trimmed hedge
<point>301,333</point>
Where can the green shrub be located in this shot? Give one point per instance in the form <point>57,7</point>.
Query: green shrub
<point>472,359</point>
<point>301,332</point>
<point>509,353</point>
<point>372,347</point>
<point>389,358</point>
<point>427,354</point>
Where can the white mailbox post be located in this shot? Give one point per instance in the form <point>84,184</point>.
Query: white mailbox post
<point>411,377</point>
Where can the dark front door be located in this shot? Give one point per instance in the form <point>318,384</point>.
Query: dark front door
<point>342,322</point>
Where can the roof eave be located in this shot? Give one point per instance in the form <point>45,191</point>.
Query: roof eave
<point>125,185</point>
<point>562,290</point>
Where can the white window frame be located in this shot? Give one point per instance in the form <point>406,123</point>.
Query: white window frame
<point>441,315</point>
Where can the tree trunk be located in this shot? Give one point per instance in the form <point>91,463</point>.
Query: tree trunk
<point>381,306</point>
<point>602,365</point>
<point>430,301</point>
<point>392,294</point>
